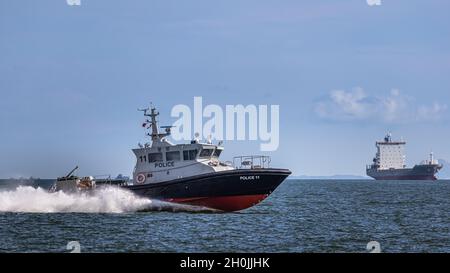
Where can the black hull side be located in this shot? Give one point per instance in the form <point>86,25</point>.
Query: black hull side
<point>226,190</point>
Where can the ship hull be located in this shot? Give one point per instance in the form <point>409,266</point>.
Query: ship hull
<point>226,190</point>
<point>419,172</point>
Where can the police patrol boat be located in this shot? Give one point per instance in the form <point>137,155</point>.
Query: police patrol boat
<point>193,174</point>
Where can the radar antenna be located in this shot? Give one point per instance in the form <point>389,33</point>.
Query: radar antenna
<point>167,128</point>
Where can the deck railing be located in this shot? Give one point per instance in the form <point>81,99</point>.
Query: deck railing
<point>251,162</point>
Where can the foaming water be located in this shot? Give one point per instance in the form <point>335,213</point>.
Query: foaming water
<point>108,199</point>
<point>104,200</point>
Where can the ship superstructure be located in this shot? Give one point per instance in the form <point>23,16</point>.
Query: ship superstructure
<point>161,160</point>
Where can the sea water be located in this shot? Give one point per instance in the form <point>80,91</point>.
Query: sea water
<point>300,216</point>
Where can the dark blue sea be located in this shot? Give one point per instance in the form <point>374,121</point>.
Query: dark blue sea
<point>300,216</point>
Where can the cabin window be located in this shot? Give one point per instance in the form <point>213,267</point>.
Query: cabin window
<point>190,154</point>
<point>173,156</point>
<point>155,157</point>
<point>217,152</point>
<point>206,153</point>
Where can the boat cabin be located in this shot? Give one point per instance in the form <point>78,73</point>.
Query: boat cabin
<point>162,161</point>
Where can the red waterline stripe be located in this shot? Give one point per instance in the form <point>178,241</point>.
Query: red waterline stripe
<point>224,203</point>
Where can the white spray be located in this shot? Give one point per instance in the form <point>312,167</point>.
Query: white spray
<point>29,199</point>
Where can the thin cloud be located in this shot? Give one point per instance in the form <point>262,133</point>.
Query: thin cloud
<point>395,107</point>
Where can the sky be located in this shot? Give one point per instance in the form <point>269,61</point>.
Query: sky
<point>344,73</point>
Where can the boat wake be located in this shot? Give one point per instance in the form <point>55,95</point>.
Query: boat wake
<point>28,199</point>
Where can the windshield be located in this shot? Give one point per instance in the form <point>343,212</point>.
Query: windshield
<point>206,153</point>
<point>217,152</point>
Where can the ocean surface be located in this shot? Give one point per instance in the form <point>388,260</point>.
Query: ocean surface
<point>300,216</point>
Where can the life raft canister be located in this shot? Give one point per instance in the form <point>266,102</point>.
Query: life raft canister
<point>140,178</point>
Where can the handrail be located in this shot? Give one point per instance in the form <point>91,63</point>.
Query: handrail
<point>252,162</point>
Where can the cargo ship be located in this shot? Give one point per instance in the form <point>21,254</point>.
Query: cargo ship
<point>389,163</point>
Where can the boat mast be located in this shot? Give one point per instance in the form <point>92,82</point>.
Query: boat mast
<point>431,158</point>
